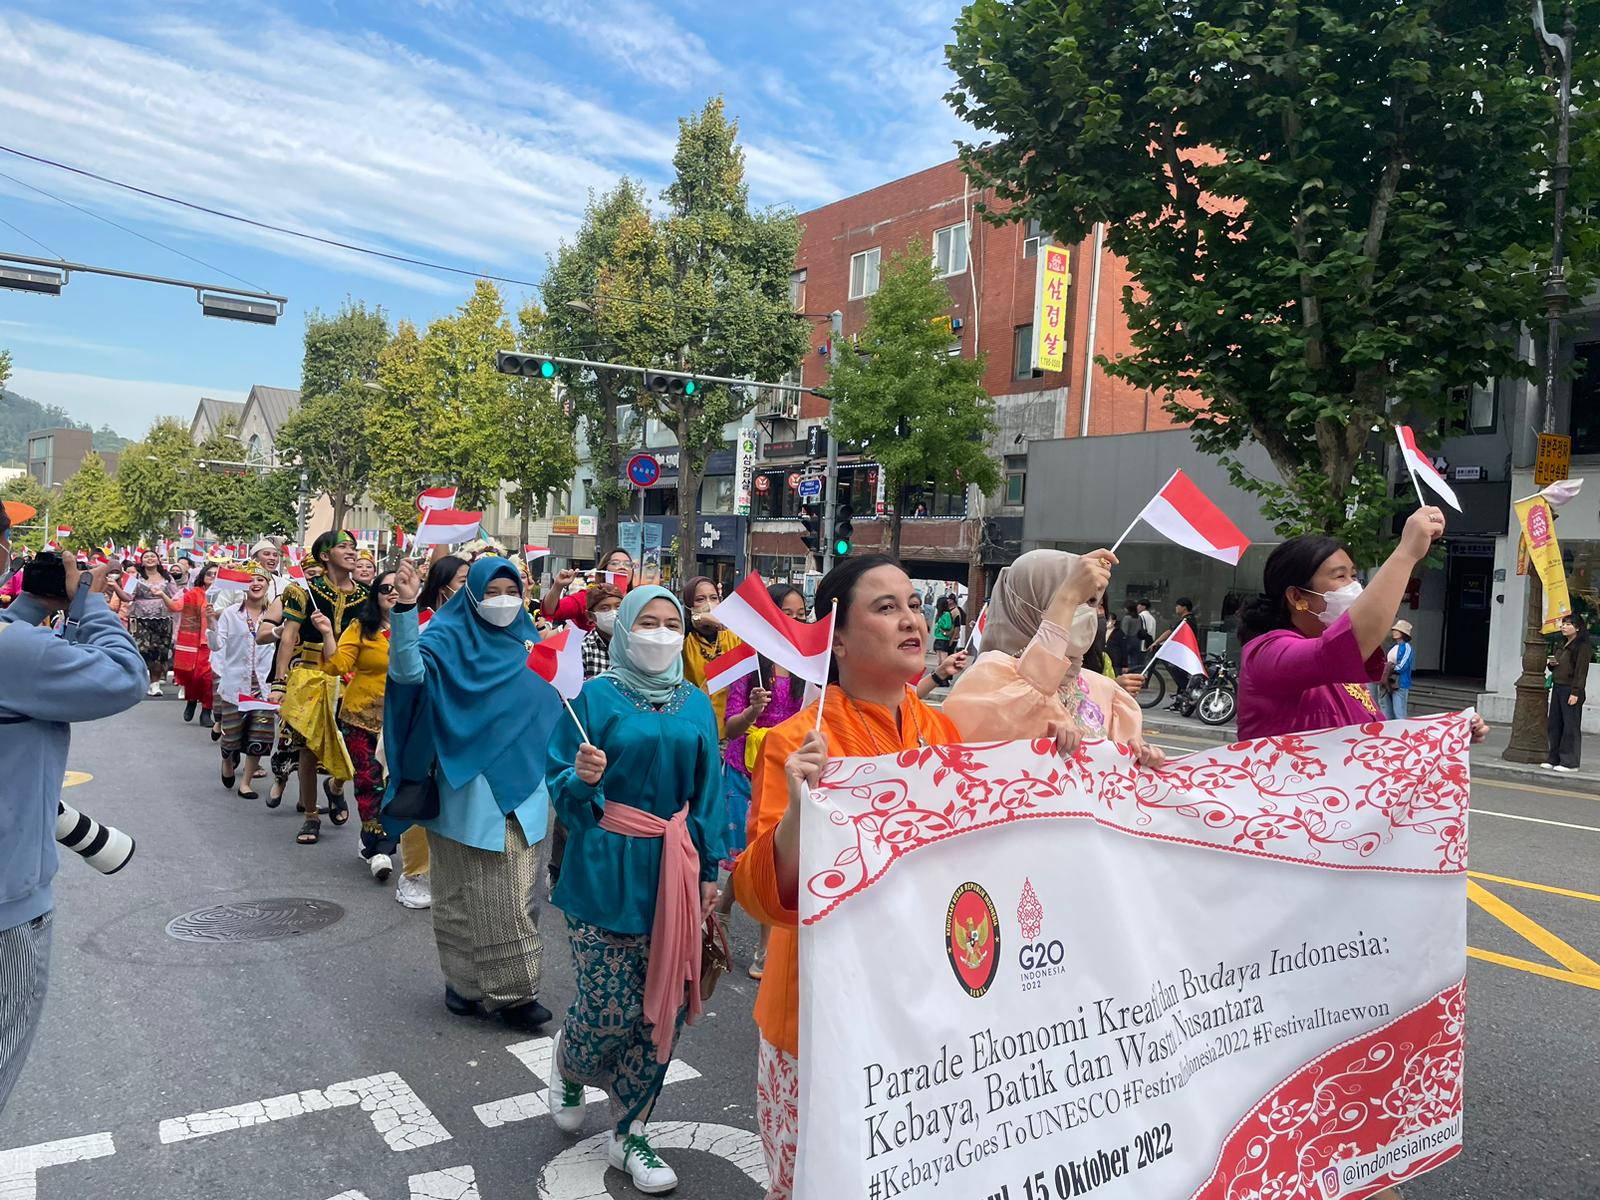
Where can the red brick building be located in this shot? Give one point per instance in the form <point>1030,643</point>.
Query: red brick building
<point>991,273</point>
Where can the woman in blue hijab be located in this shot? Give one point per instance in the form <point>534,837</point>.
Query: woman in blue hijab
<point>464,716</point>
<point>642,802</point>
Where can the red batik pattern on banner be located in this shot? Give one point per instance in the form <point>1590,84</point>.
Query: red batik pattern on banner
<point>1400,802</point>
<point>1309,1136</point>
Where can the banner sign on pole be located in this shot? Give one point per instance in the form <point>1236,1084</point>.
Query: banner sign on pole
<point>744,472</point>
<point>1540,546</point>
<point>1050,309</point>
<point>1243,975</point>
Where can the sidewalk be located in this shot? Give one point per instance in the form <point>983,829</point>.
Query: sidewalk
<point>1487,760</point>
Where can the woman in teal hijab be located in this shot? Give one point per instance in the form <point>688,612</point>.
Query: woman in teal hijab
<point>463,715</point>
<point>645,786</point>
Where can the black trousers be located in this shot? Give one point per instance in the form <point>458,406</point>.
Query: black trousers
<point>1565,728</point>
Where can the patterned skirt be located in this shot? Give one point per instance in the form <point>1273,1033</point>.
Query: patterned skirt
<point>606,1040</point>
<point>778,1115</point>
<point>244,732</point>
<point>486,917</point>
<point>153,636</point>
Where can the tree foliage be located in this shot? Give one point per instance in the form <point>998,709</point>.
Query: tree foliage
<point>900,394</point>
<point>399,471</point>
<point>153,476</point>
<point>1329,208</point>
<point>535,443</point>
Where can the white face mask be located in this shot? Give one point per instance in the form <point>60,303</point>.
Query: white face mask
<point>1338,601</point>
<point>499,611</point>
<point>606,621</point>
<point>653,650</point>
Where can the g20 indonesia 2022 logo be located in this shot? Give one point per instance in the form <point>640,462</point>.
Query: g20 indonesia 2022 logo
<point>972,938</point>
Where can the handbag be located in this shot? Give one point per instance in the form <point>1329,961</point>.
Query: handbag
<point>415,799</point>
<point>715,958</point>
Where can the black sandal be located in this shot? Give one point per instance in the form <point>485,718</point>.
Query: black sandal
<point>310,832</point>
<point>249,794</point>
<point>275,792</point>
<point>338,808</point>
<point>229,780</point>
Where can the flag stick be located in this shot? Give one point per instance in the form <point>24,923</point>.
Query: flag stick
<point>833,621</point>
<point>1127,531</point>
<point>1410,470</point>
<point>581,731</point>
<point>1414,483</point>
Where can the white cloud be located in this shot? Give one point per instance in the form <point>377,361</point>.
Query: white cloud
<point>26,333</point>
<point>128,405</point>
<point>636,35</point>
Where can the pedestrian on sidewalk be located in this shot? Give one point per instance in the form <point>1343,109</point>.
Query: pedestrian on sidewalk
<point>1394,689</point>
<point>641,797</point>
<point>1569,674</point>
<point>465,718</point>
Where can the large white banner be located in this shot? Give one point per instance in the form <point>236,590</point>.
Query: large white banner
<point>1238,977</point>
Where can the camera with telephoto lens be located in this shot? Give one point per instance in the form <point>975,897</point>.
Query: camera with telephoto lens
<point>104,847</point>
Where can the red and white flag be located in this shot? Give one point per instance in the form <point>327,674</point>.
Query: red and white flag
<point>799,647</point>
<point>531,552</point>
<point>230,579</point>
<point>401,538</point>
<point>621,580</point>
<point>437,498</point>
<point>249,703</point>
<point>447,527</point>
<point>1422,469</point>
<point>1182,651</point>
<point>63,532</point>
<point>975,642</point>
<point>296,554</point>
<point>297,572</point>
<point>735,664</point>
<point>1182,513</point>
<point>558,660</point>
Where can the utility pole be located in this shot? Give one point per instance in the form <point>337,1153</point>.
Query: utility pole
<point>1527,742</point>
<point>831,497</point>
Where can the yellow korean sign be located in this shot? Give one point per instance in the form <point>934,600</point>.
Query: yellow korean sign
<point>1553,461</point>
<point>1050,309</point>
<point>1544,552</point>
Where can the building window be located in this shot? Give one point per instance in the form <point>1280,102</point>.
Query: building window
<point>950,250</point>
<point>797,290</point>
<point>1030,241</point>
<point>1022,352</point>
<point>1585,403</point>
<point>1478,406</point>
<point>864,273</point>
<point>1016,478</point>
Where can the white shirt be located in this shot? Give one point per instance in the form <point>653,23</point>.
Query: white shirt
<point>232,648</point>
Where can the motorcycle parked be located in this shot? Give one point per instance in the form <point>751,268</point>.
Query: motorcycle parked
<point>1213,697</point>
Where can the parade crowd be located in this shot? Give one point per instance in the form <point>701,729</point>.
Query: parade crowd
<point>649,800</point>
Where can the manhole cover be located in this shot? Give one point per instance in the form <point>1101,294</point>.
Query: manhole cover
<point>255,920</point>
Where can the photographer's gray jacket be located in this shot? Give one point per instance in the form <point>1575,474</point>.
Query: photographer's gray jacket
<point>48,681</point>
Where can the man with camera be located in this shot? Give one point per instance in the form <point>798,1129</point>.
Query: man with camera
<point>88,669</point>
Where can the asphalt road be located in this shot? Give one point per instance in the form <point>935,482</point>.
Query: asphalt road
<point>373,1091</point>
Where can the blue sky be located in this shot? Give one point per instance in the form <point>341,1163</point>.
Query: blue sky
<point>460,131</point>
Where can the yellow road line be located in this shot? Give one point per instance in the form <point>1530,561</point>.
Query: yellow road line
<point>74,778</point>
<point>1534,968</point>
<point>1539,790</point>
<point>1537,887</point>
<point>1574,960</point>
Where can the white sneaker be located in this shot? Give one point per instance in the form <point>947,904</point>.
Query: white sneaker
<point>634,1155</point>
<point>155,690</point>
<point>1561,768</point>
<point>565,1100</point>
<point>413,891</point>
<point>381,867</point>
<point>1547,766</point>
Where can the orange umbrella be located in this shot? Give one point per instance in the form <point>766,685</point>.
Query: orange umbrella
<point>19,512</point>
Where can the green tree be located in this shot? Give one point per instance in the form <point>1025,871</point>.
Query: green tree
<point>154,478</point>
<point>704,289</point>
<point>573,328</point>
<point>273,503</point>
<point>219,498</point>
<point>920,410</point>
<point>1330,208</point>
<point>328,432</point>
<point>400,471</point>
<point>535,443</point>
<point>91,504</point>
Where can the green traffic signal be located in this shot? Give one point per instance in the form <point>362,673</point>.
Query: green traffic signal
<point>841,548</point>
<point>688,387</point>
<point>547,369</point>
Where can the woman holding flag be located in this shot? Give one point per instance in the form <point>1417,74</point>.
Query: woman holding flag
<point>191,660</point>
<point>243,667</point>
<point>466,723</point>
<point>149,596</point>
<point>705,640</point>
<point>634,775</point>
<point>880,642</point>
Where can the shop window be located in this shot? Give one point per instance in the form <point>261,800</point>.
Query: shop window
<point>1585,405</point>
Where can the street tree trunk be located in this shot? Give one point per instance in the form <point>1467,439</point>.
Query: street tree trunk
<point>894,526</point>
<point>607,535</point>
<point>341,505</point>
<point>688,510</point>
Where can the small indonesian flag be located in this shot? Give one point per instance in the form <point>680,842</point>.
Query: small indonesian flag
<point>735,664</point>
<point>1182,651</point>
<point>1182,513</point>
<point>400,538</point>
<point>249,703</point>
<point>63,532</point>
<point>1421,467</point>
<point>531,552</point>
<point>297,572</point>
<point>621,580</point>
<point>558,660</point>
<point>447,527</point>
<point>296,554</point>
<point>801,649</point>
<point>110,548</point>
<point>439,498</point>
<point>975,642</point>
<point>230,579</point>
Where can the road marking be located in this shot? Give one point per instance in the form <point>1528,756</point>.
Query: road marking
<point>397,1112</point>
<point>453,1183</point>
<point>535,1054</point>
<point>1579,968</point>
<point>579,1172</point>
<point>74,778</point>
<point>1538,789</point>
<point>1484,812</point>
<point>19,1168</point>
<point>1537,887</point>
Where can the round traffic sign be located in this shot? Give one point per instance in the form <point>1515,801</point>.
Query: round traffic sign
<point>187,531</point>
<point>763,483</point>
<point>643,470</point>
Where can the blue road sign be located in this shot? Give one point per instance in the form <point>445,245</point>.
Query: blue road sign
<point>811,487</point>
<point>643,470</point>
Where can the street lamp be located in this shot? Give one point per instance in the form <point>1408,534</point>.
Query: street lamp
<point>1527,743</point>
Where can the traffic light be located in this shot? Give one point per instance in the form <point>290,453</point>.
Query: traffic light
<point>811,528</point>
<point>669,385</point>
<point>843,533</point>
<point>528,366</point>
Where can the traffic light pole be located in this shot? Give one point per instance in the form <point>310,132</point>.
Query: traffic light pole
<point>830,495</point>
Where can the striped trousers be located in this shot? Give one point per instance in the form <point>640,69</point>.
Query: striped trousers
<point>24,971</point>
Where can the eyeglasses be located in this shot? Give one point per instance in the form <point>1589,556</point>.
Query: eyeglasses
<point>387,589</point>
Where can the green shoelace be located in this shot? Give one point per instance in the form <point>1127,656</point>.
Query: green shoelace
<point>571,1094</point>
<point>637,1143</point>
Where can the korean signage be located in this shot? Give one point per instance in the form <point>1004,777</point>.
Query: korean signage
<point>744,470</point>
<point>1553,461</point>
<point>572,526</point>
<point>1050,309</point>
<point>1540,546</point>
